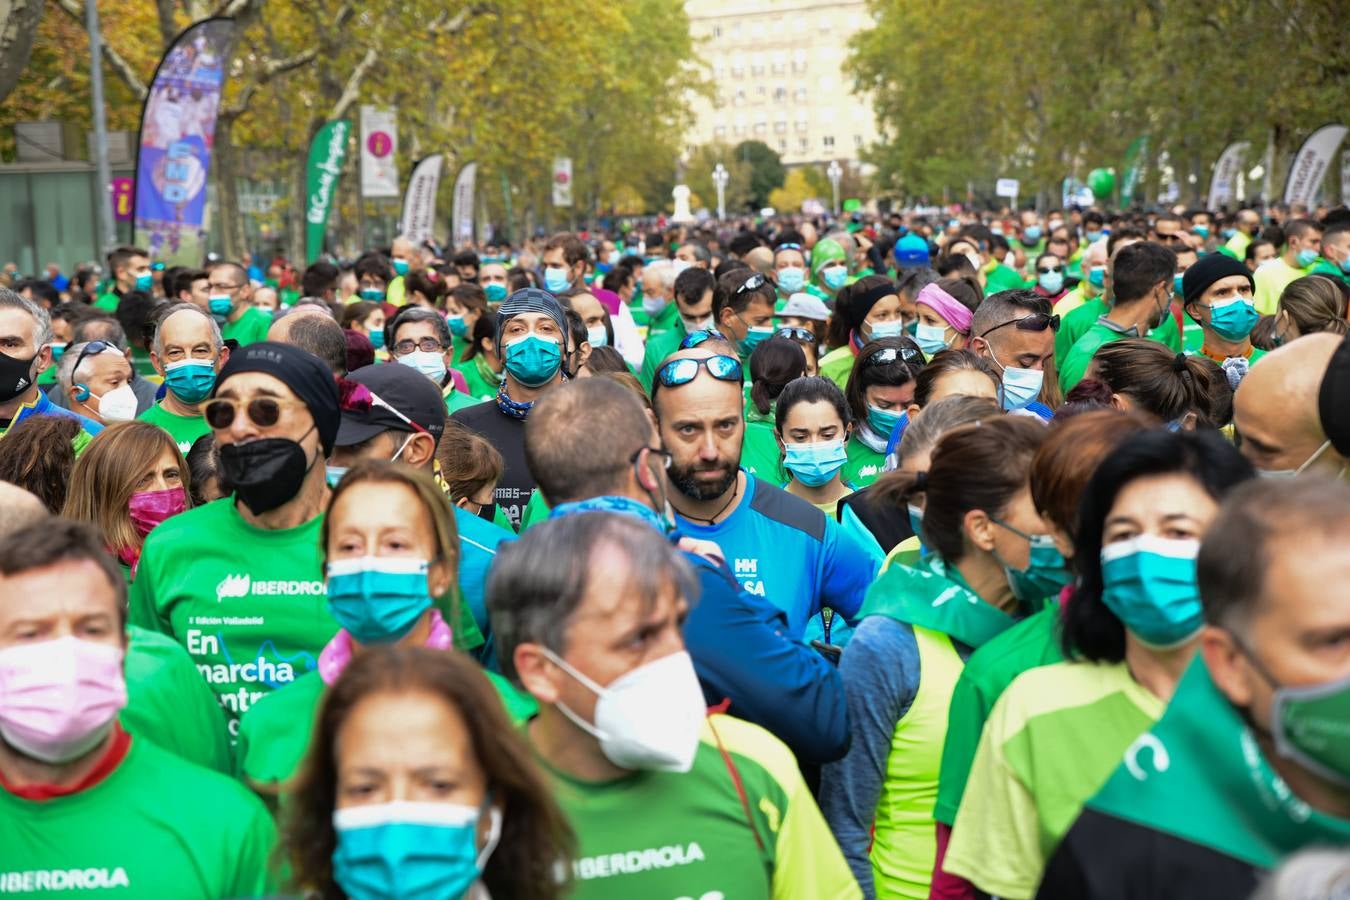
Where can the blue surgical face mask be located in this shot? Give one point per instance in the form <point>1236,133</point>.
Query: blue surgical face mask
<point>597,336</point>
<point>612,258</point>
<point>753,338</point>
<point>373,294</point>
<point>429,363</point>
<point>1345,264</point>
<point>378,599</point>
<point>915,520</point>
<point>1021,386</point>
<point>145,282</point>
<point>533,360</point>
<point>1176,283</point>
<point>1233,319</point>
<point>1306,257</point>
<point>834,277</point>
<point>556,280</point>
<point>814,464</point>
<point>1051,282</point>
<point>1097,277</point>
<point>190,380</point>
<point>653,306</point>
<point>1200,231</point>
<point>1227,233</point>
<point>1149,584</point>
<point>495,291</point>
<point>1046,573</point>
<point>882,421</point>
<point>376,338</point>
<point>401,266</point>
<point>410,850</point>
<point>791,279</point>
<point>1032,233</point>
<point>880,330</point>
<point>458,327</point>
<point>1093,236</point>
<point>930,338</point>
<point>220,305</point>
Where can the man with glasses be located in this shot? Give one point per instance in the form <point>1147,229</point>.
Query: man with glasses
<point>743,309</point>
<point>420,338</point>
<point>531,339</point>
<point>25,352</point>
<point>231,303</point>
<point>779,547</point>
<point>239,582</point>
<point>1015,331</point>
<point>187,352</point>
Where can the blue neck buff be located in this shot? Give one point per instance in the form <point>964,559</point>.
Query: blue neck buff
<point>610,503</point>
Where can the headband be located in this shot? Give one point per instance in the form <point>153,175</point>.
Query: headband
<point>859,305</point>
<point>947,306</point>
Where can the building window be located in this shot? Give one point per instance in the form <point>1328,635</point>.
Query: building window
<point>761,129</point>
<point>739,99</point>
<point>782,146</point>
<point>720,132</point>
<point>799,95</point>
<point>857,142</point>
<point>801,125</point>
<point>780,127</point>
<point>803,145</point>
<point>827,142</point>
<point>780,95</point>
<point>717,31</point>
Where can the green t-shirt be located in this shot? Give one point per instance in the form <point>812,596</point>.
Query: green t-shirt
<point>1030,643</point>
<point>668,834</point>
<point>183,429</point>
<point>1076,324</point>
<point>457,400</point>
<point>1271,280</point>
<point>666,321</point>
<point>155,827</point>
<point>1080,355</point>
<point>1004,278</point>
<point>247,603</point>
<point>760,454</point>
<point>863,466</point>
<point>107,302</point>
<point>482,382</point>
<point>536,511</point>
<point>250,328</point>
<point>837,365</point>
<point>1052,740</point>
<point>169,703</point>
<point>658,348</point>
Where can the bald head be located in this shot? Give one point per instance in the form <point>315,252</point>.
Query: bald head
<point>20,509</point>
<point>761,260</point>
<point>281,328</point>
<point>1095,255</point>
<point>1275,409</point>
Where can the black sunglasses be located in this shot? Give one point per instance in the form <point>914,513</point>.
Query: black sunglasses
<point>1033,322</point>
<point>682,371</point>
<point>888,355</point>
<point>261,411</point>
<point>753,283</point>
<point>93,348</point>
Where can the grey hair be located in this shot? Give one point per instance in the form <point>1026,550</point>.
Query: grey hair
<point>701,252</point>
<point>1005,306</point>
<point>538,581</point>
<point>42,322</point>
<point>158,344</point>
<point>417,314</point>
<point>940,417</point>
<point>663,272</point>
<point>66,372</point>
<point>100,328</point>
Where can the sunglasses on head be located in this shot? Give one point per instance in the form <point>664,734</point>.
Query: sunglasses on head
<point>261,411</point>
<point>682,371</point>
<point>699,337</point>
<point>753,283</point>
<point>793,333</point>
<point>1033,322</point>
<point>787,247</point>
<point>93,348</point>
<point>888,355</point>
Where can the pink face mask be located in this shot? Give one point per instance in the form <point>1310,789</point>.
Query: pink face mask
<point>149,508</point>
<point>58,698</point>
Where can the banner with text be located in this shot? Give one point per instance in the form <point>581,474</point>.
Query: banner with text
<point>419,200</point>
<point>327,152</point>
<point>562,181</point>
<point>1311,164</point>
<point>379,150</point>
<point>178,131</point>
<point>1223,184</point>
<point>461,217</point>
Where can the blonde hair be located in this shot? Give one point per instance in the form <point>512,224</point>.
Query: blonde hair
<point>106,474</point>
<point>1315,303</point>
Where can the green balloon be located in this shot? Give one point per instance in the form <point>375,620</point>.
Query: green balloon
<point>1102,182</point>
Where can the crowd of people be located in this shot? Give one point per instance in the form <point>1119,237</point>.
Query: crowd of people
<point>893,556</point>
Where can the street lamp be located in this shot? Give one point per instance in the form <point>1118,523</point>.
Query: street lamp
<point>720,178</point>
<point>835,173</point>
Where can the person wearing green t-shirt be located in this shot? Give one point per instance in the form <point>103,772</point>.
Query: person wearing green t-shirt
<point>131,272</point>
<point>1142,277</point>
<point>693,293</point>
<point>238,581</point>
<point>1093,284</point>
<point>1144,513</point>
<point>231,303</point>
<point>879,391</point>
<point>84,803</point>
<point>1245,229</point>
<point>1218,295</point>
<point>658,292</point>
<point>188,352</point>
<point>1335,260</point>
<point>645,771</point>
<point>1302,247</point>
<point>813,431</point>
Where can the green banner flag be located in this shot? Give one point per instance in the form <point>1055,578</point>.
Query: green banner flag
<point>326,154</point>
<point>1136,157</point>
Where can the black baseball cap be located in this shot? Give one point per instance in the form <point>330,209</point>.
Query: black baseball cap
<point>397,397</point>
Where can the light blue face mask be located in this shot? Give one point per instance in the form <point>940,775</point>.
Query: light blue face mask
<point>411,850</point>
<point>401,266</point>
<point>190,380</point>
<point>1051,282</point>
<point>597,336</point>
<point>814,464</point>
<point>1097,277</point>
<point>930,338</point>
<point>1305,258</point>
<point>1177,282</point>
<point>378,599</point>
<point>753,338</point>
<point>533,360</point>
<point>556,280</point>
<point>1046,573</point>
<point>1021,387</point>
<point>882,330</point>
<point>145,282</point>
<point>372,294</point>
<point>1032,233</point>
<point>496,292</point>
<point>458,327</point>
<point>1149,584</point>
<point>220,305</point>
<point>882,421</point>
<point>1233,319</point>
<point>333,474</point>
<point>791,279</point>
<point>376,339</point>
<point>834,277</point>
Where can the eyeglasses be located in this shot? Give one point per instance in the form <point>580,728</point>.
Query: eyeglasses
<point>1050,269</point>
<point>699,337</point>
<point>426,345</point>
<point>888,355</point>
<point>682,371</point>
<point>261,411</point>
<point>795,334</point>
<point>93,348</point>
<point>753,283</point>
<point>1033,322</point>
<point>655,451</point>
<point>223,287</point>
<point>1169,238</point>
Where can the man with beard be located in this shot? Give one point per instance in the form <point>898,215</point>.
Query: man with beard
<point>778,546</point>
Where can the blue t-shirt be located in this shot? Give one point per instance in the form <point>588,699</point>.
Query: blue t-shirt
<point>784,549</point>
<point>478,540</point>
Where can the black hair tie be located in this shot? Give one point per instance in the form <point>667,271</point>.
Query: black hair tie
<point>920,482</point>
<point>1179,362</point>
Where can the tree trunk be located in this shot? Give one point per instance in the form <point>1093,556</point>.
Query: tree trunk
<point>226,165</point>
<point>18,26</point>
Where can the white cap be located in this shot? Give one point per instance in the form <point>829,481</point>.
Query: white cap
<point>803,306</point>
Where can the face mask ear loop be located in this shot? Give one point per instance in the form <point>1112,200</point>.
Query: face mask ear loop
<point>494,833</point>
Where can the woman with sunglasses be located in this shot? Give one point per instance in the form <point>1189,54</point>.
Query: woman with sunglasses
<point>448,804</point>
<point>1129,632</point>
<point>865,311</point>
<point>879,390</point>
<point>392,558</point>
<point>1050,277</point>
<point>917,627</point>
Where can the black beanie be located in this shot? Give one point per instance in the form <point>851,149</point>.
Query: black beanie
<point>302,372</point>
<point>1333,399</point>
<point>1200,276</point>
